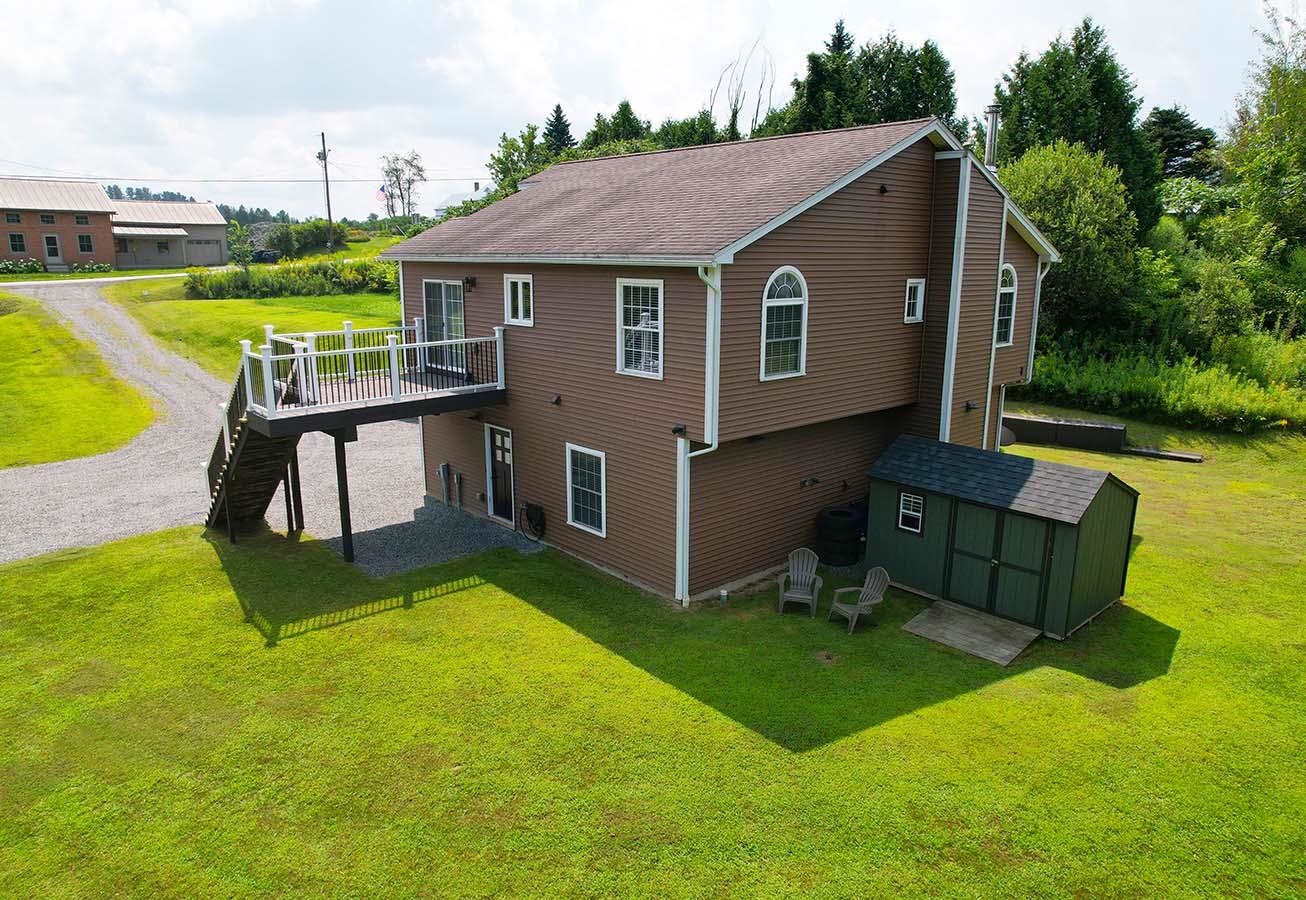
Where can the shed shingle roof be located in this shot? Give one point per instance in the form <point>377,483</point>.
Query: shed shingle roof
<point>683,204</point>
<point>54,196</point>
<point>165,212</point>
<point>1044,489</point>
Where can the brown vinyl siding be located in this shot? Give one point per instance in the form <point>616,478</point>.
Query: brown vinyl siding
<point>924,418</point>
<point>747,507</point>
<point>1009,362</point>
<point>571,352</point>
<point>979,286</point>
<point>856,250</point>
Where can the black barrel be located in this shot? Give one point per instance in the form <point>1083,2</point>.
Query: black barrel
<point>838,536</point>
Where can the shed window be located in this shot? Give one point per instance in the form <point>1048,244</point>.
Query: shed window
<point>784,325</point>
<point>911,512</point>
<point>81,220</point>
<point>586,489</point>
<point>17,243</point>
<point>639,327</point>
<point>84,244</point>
<point>13,218</point>
<point>518,300</point>
<point>1006,325</point>
<point>161,247</point>
<point>47,219</point>
<point>913,309</point>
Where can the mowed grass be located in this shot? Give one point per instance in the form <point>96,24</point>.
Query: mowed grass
<point>354,250</point>
<point>209,331</point>
<point>508,724</point>
<point>82,276</point>
<point>58,399</point>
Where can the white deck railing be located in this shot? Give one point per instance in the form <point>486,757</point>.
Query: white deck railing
<point>307,372</point>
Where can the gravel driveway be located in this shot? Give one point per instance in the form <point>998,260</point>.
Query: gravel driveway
<point>157,482</point>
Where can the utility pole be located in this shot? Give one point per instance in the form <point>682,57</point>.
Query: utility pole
<point>326,184</point>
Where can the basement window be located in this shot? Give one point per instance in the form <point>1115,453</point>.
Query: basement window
<point>518,300</point>
<point>639,327</point>
<point>587,488</point>
<point>913,309</point>
<point>784,325</point>
<point>17,243</point>
<point>911,512</point>
<point>1006,324</point>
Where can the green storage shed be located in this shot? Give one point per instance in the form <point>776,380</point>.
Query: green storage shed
<point>1040,543</point>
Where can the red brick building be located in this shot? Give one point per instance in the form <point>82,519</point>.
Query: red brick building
<point>58,223</point>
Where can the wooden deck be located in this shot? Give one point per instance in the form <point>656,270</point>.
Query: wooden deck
<point>974,632</point>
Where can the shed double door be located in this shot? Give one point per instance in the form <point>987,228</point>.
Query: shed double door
<point>997,561</point>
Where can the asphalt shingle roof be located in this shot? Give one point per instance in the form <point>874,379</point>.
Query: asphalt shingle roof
<point>673,204</point>
<point>1044,489</point>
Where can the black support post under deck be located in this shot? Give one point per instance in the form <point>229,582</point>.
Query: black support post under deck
<point>297,523</point>
<point>290,506</point>
<point>342,490</point>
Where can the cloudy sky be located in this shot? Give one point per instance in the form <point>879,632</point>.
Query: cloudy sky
<point>164,90</point>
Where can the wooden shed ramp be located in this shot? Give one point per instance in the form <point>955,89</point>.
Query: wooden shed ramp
<point>971,631</point>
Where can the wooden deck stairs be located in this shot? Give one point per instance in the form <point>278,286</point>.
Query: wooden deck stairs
<point>256,466</point>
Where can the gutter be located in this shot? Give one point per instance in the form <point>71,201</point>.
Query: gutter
<point>710,276</point>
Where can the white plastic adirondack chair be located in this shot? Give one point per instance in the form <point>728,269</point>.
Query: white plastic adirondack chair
<point>804,583</point>
<point>868,595</point>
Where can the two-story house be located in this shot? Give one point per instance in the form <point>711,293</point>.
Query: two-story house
<point>703,347</point>
<point>59,223</point>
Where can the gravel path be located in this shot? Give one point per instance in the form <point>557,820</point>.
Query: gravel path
<point>156,481</point>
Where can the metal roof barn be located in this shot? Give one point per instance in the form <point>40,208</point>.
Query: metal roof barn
<point>1037,542</point>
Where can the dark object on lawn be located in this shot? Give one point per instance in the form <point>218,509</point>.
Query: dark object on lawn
<point>1105,437</point>
<point>1040,543</point>
<point>266,256</point>
<point>838,536</point>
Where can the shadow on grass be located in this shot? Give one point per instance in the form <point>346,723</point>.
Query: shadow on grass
<point>796,681</point>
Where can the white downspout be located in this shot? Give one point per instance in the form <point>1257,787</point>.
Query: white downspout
<point>993,336</point>
<point>710,276</point>
<point>954,298</point>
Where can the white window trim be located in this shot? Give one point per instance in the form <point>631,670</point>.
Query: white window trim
<point>603,488</point>
<point>621,330</point>
<point>89,241</point>
<point>1014,291</point>
<point>489,475</point>
<point>81,219</point>
<point>920,515</point>
<point>920,301</point>
<point>802,343</point>
<point>525,321</point>
<point>22,239</point>
<point>17,218</point>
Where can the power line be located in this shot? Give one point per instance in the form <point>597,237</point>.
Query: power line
<point>156,179</point>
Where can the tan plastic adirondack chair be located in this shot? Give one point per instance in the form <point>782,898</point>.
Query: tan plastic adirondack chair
<point>868,595</point>
<point>804,583</point>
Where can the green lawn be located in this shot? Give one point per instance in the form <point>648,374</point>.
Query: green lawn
<point>208,331</point>
<point>58,399</point>
<point>359,250</point>
<point>510,724</point>
<point>77,276</point>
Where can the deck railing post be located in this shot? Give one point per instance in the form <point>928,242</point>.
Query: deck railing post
<point>309,358</point>
<point>269,388</point>
<point>244,365</point>
<point>268,331</point>
<point>395,386</point>
<point>349,348</point>
<point>226,430</point>
<point>498,357</point>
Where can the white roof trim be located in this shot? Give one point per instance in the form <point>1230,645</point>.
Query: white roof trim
<point>727,253</point>
<point>1017,218</point>
<point>614,260</point>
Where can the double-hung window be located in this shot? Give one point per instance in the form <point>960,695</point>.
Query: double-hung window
<point>639,327</point>
<point>518,300</point>
<point>911,512</point>
<point>81,220</point>
<point>587,490</point>
<point>84,244</point>
<point>913,309</point>
<point>784,325</point>
<point>17,243</point>
<point>1006,324</point>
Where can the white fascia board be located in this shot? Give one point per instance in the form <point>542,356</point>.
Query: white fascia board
<point>1024,226</point>
<point>954,299</point>
<point>727,253</point>
<point>662,261</point>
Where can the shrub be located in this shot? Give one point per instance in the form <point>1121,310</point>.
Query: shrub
<point>1185,394</point>
<point>1263,358</point>
<point>90,267</point>
<point>357,236</point>
<point>312,234</point>
<point>20,266</point>
<point>296,280</point>
<point>281,239</point>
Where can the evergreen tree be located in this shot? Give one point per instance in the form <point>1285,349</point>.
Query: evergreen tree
<point>114,192</point>
<point>1185,146</point>
<point>626,126</point>
<point>840,42</point>
<point>1077,91</point>
<point>557,132</point>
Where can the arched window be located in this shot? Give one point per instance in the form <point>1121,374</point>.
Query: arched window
<point>1006,329</point>
<point>784,325</point>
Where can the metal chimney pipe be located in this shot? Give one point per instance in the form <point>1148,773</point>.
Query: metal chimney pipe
<point>991,137</point>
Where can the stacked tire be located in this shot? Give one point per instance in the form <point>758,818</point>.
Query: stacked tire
<point>838,536</point>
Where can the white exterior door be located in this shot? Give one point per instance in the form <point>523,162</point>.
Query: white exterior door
<point>52,254</point>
